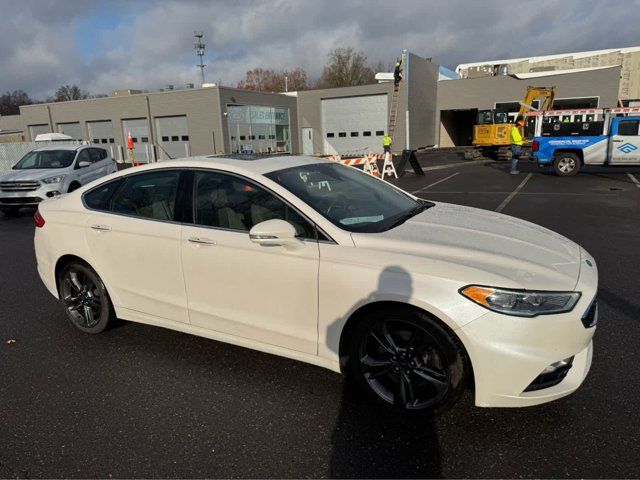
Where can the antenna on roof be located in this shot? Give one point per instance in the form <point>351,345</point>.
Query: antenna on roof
<point>199,46</point>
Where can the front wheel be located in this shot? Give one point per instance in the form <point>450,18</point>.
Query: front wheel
<point>566,164</point>
<point>407,360</point>
<point>85,298</point>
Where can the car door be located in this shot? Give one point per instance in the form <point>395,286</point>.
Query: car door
<point>234,286</point>
<point>86,174</point>
<point>625,142</point>
<point>134,242</point>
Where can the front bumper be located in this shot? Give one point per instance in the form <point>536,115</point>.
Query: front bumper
<point>509,353</point>
<point>30,198</point>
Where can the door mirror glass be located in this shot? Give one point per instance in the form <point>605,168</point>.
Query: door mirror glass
<point>273,233</point>
<point>83,164</point>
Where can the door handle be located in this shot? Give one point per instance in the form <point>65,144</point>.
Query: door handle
<point>202,241</point>
<point>101,228</point>
<point>618,141</point>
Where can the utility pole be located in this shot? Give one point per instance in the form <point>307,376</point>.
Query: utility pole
<point>200,52</point>
<point>286,83</point>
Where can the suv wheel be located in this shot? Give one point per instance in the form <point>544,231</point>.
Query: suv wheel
<point>407,360</point>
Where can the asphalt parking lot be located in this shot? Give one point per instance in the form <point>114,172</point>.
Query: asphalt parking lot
<point>140,401</point>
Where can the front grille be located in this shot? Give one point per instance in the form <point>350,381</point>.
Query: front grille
<point>19,200</point>
<point>590,318</point>
<point>19,186</point>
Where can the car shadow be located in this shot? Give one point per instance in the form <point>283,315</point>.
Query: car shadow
<point>372,440</point>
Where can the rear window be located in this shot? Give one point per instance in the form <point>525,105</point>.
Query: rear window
<point>99,197</point>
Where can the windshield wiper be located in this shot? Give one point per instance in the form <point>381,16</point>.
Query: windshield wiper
<point>421,207</point>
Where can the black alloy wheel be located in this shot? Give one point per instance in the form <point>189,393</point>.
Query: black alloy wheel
<point>409,361</point>
<point>85,298</point>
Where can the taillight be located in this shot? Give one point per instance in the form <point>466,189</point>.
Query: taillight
<point>38,219</point>
<point>535,146</point>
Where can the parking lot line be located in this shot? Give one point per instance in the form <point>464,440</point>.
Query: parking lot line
<point>634,180</point>
<point>506,201</point>
<point>435,183</point>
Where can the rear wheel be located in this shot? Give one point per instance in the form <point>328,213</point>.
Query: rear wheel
<point>85,297</point>
<point>566,164</point>
<point>407,360</point>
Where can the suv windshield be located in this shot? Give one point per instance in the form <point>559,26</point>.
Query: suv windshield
<point>349,198</point>
<point>46,159</point>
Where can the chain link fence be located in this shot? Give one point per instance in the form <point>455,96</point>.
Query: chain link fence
<point>10,153</point>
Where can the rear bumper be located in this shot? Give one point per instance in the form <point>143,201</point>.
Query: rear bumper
<point>508,354</point>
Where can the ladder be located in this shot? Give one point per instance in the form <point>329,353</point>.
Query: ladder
<point>394,111</point>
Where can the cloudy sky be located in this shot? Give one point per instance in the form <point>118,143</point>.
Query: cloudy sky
<point>103,45</point>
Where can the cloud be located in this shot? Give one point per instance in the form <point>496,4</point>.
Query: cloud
<point>148,44</point>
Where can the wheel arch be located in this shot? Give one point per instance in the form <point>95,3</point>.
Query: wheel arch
<point>576,151</point>
<point>361,312</point>
<point>65,260</point>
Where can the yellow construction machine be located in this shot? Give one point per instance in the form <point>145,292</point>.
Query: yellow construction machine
<point>492,133</point>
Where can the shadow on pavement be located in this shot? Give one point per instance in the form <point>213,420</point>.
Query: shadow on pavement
<point>369,441</point>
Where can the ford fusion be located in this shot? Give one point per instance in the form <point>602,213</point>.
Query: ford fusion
<point>319,262</point>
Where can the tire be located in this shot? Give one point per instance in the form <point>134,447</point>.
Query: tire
<point>86,300</point>
<point>566,164</point>
<point>10,211</point>
<point>406,360</point>
<point>73,186</point>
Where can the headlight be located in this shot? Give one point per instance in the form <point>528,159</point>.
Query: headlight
<point>521,303</point>
<point>56,179</point>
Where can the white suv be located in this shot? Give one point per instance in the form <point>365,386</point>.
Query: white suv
<point>49,171</point>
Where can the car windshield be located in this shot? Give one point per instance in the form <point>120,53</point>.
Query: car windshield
<point>46,159</point>
<point>349,198</point>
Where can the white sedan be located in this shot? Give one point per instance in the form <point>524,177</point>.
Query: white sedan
<point>315,261</point>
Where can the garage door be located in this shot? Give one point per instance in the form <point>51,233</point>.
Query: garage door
<point>172,136</point>
<point>72,129</point>
<point>140,132</point>
<point>35,130</point>
<point>101,132</point>
<point>354,125</point>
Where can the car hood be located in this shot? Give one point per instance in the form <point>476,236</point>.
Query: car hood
<point>31,174</point>
<point>488,246</point>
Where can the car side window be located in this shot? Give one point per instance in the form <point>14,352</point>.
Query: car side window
<point>96,154</point>
<point>148,195</point>
<point>84,156</point>
<point>227,201</point>
<point>99,197</point>
<point>628,127</point>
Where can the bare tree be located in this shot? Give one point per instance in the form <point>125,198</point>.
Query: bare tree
<point>270,80</point>
<point>10,102</point>
<point>346,68</point>
<point>66,93</point>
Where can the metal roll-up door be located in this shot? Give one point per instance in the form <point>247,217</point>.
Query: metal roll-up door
<point>73,129</point>
<point>139,129</point>
<point>173,136</point>
<point>354,125</point>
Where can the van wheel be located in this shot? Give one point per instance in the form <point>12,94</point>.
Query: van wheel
<point>566,164</point>
<point>85,297</point>
<point>406,360</point>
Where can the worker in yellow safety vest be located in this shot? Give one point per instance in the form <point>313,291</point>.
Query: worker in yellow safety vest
<point>386,143</point>
<point>516,145</point>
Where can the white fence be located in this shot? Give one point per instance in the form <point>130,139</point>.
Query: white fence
<point>10,153</point>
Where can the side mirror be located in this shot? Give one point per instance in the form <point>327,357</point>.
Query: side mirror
<point>274,233</point>
<point>83,164</point>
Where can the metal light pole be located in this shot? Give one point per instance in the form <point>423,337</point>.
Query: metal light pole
<point>199,46</point>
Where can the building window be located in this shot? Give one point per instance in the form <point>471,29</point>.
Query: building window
<point>175,138</point>
<point>366,134</point>
<point>104,140</point>
<point>331,135</point>
<point>165,138</point>
<point>242,137</point>
<point>379,133</point>
<point>261,137</point>
<point>135,139</point>
<point>111,140</point>
<point>185,138</point>
<point>253,137</point>
<point>144,139</point>
<point>354,134</point>
<point>342,134</point>
<point>96,140</point>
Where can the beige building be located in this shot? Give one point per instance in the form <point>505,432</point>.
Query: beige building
<point>627,58</point>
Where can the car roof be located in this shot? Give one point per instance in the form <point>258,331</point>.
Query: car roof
<point>258,166</point>
<point>59,147</point>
